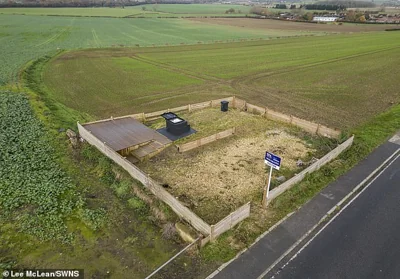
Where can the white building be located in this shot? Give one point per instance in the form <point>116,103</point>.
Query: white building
<point>325,18</point>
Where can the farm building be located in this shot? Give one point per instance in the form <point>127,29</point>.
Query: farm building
<point>325,18</point>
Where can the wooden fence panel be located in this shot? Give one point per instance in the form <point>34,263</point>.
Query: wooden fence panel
<point>328,132</point>
<point>200,105</point>
<point>216,103</point>
<point>321,162</point>
<point>278,116</point>
<point>200,142</point>
<point>230,221</point>
<point>178,109</point>
<point>305,125</point>
<point>255,109</point>
<point>274,115</point>
<point>239,104</point>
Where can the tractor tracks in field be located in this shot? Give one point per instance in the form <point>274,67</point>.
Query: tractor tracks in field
<point>260,75</point>
<point>96,38</point>
<point>244,86</point>
<point>58,35</point>
<point>185,72</point>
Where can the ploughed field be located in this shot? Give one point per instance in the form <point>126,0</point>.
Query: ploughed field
<point>336,80</point>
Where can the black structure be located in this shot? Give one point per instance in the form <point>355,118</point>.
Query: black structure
<point>224,105</point>
<point>175,125</point>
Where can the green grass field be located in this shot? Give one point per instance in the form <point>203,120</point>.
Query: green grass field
<point>131,75</point>
<point>149,10</point>
<point>24,38</point>
<point>338,80</point>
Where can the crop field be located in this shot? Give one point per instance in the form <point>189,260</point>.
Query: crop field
<point>24,38</point>
<point>149,10</point>
<point>307,77</point>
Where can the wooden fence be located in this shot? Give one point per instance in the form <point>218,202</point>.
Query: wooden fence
<point>191,107</point>
<point>237,103</point>
<point>317,165</point>
<point>212,232</point>
<point>197,143</point>
<point>308,126</point>
<point>153,186</point>
<point>227,223</point>
<point>230,221</point>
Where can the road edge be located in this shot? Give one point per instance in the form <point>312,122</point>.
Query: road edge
<point>323,219</point>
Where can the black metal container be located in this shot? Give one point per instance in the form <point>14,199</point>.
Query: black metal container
<point>224,105</point>
<point>175,125</point>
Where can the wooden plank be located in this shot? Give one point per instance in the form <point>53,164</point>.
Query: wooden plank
<point>197,143</point>
<point>317,165</point>
<point>231,220</point>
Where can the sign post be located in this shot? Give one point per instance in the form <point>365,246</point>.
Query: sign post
<point>274,162</point>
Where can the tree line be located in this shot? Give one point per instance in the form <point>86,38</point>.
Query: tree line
<point>84,3</point>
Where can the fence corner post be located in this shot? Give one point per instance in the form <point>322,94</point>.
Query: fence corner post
<point>212,233</point>
<point>317,131</point>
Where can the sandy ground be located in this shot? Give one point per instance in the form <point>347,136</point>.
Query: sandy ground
<point>290,25</point>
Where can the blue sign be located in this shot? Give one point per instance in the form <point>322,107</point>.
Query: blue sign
<point>272,160</point>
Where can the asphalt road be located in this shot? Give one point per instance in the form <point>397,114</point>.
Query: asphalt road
<point>363,241</point>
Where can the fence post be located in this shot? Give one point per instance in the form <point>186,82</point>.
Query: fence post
<point>234,101</point>
<point>189,108</point>
<point>316,131</point>
<point>212,233</point>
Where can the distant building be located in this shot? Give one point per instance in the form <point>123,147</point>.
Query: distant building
<point>325,18</point>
